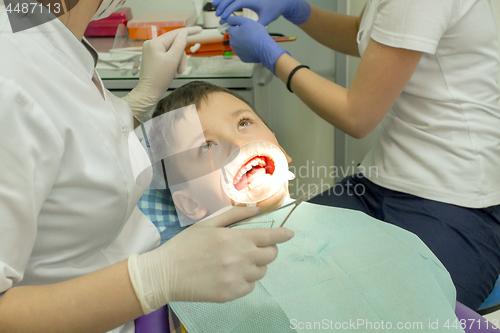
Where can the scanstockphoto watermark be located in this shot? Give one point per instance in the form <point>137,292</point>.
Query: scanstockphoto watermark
<point>316,179</point>
<point>365,325</point>
<point>355,325</point>
<point>27,14</point>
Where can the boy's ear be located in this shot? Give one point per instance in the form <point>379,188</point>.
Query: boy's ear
<point>188,205</point>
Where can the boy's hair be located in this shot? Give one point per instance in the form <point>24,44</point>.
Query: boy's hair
<point>163,131</point>
<point>192,93</point>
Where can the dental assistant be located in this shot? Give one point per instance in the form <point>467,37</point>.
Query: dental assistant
<point>428,81</point>
<point>73,244</point>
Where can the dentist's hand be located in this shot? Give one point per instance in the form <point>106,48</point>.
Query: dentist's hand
<point>163,59</point>
<point>252,43</point>
<point>206,262</point>
<point>295,11</point>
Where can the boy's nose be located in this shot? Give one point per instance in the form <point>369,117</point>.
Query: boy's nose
<point>239,142</point>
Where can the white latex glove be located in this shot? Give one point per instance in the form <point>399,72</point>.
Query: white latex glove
<point>206,262</point>
<point>163,58</point>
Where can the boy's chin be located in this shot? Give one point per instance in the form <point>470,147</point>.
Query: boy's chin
<point>275,201</point>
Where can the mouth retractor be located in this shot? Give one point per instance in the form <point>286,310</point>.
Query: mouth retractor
<point>255,172</point>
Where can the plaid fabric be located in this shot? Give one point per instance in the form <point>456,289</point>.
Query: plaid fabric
<point>159,207</point>
<point>157,204</point>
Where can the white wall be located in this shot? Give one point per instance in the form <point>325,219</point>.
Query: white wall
<point>356,149</point>
<point>158,6</point>
<point>306,137</point>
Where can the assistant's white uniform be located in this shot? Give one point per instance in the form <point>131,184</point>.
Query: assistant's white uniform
<point>67,192</point>
<point>441,139</point>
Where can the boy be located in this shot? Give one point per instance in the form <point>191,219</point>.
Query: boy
<point>343,270</point>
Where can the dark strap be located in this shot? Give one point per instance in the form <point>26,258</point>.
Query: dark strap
<point>292,73</point>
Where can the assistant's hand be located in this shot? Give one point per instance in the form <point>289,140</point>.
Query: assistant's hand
<point>163,58</point>
<point>295,11</point>
<point>206,262</point>
<point>251,42</point>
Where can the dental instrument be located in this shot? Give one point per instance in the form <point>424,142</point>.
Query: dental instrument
<point>223,27</point>
<point>137,64</point>
<point>127,50</point>
<point>227,51</point>
<point>120,60</point>
<point>304,197</point>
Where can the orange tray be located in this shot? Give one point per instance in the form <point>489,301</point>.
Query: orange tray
<point>214,49</point>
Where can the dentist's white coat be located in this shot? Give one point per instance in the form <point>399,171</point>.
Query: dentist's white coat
<point>67,191</point>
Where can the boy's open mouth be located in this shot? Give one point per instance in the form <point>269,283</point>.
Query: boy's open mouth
<point>251,173</point>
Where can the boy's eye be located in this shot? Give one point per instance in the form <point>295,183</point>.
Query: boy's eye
<point>243,123</point>
<point>207,146</point>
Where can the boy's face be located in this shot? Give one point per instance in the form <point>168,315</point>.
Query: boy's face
<point>227,121</point>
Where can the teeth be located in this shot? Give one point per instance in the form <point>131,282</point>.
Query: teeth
<point>247,167</point>
<point>261,184</point>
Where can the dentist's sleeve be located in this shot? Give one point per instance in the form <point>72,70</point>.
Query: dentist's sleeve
<point>30,152</point>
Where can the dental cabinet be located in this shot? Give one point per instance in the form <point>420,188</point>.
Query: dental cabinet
<point>229,72</point>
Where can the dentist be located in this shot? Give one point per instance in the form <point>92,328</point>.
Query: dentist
<point>428,81</point>
<point>76,254</point>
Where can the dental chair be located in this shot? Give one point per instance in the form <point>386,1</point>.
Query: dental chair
<point>474,322</point>
<point>492,303</point>
<point>157,321</point>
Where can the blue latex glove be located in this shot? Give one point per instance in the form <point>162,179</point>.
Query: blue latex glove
<point>295,11</point>
<point>252,43</point>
